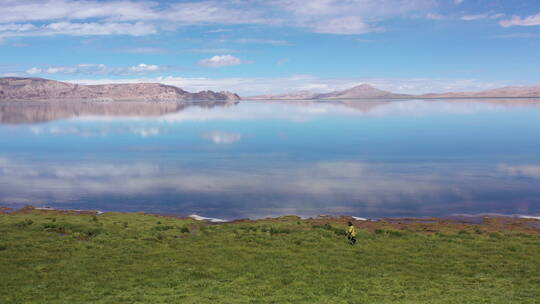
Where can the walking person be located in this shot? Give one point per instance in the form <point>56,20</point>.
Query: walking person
<point>351,234</point>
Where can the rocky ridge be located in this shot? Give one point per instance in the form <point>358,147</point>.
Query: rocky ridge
<point>32,89</point>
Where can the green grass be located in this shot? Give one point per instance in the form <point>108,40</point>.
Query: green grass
<point>46,257</point>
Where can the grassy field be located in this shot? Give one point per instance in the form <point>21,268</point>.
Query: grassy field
<point>62,257</point>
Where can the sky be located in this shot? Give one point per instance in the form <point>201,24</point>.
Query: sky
<point>274,46</point>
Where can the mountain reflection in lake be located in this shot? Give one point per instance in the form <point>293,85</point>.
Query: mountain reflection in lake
<point>258,159</point>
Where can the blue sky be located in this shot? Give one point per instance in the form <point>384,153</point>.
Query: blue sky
<point>275,46</point>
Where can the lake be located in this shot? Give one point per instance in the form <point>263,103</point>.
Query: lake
<point>254,159</point>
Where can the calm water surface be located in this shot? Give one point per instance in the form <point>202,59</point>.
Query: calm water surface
<point>258,159</point>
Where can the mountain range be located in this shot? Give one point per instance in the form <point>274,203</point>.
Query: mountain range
<point>365,91</point>
<point>360,91</point>
<point>504,92</point>
<point>20,89</point>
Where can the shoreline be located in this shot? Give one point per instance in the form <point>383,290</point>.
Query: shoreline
<point>492,222</point>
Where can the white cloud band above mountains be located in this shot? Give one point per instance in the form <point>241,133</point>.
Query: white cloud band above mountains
<point>248,86</point>
<point>97,69</point>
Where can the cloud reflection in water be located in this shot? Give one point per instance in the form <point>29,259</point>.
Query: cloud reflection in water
<point>370,158</point>
<point>305,188</point>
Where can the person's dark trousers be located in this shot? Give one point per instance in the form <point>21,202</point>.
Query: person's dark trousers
<point>352,240</point>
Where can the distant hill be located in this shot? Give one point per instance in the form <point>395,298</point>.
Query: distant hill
<point>506,92</point>
<point>300,95</point>
<point>18,89</point>
<point>365,91</point>
<point>360,92</point>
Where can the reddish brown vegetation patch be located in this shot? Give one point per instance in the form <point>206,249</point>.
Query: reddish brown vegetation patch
<point>4,210</point>
<point>434,225</point>
<point>478,224</point>
<point>31,209</point>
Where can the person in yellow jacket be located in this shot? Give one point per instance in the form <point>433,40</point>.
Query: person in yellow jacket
<point>351,234</point>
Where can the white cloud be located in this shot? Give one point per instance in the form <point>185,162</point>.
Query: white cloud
<point>33,71</point>
<point>13,30</point>
<point>98,69</point>
<point>64,70</point>
<point>141,68</point>
<point>39,10</point>
<point>122,10</point>
<point>13,27</point>
<point>77,29</point>
<point>145,50</point>
<point>344,25</point>
<point>496,16</point>
<point>348,17</point>
<point>458,1</point>
<point>434,16</point>
<point>481,17</point>
<point>473,17</point>
<point>217,12</point>
<point>97,29</point>
<point>201,12</point>
<point>137,18</point>
<point>212,50</point>
<point>518,21</point>
<point>365,8</point>
<point>220,61</point>
<point>262,41</point>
